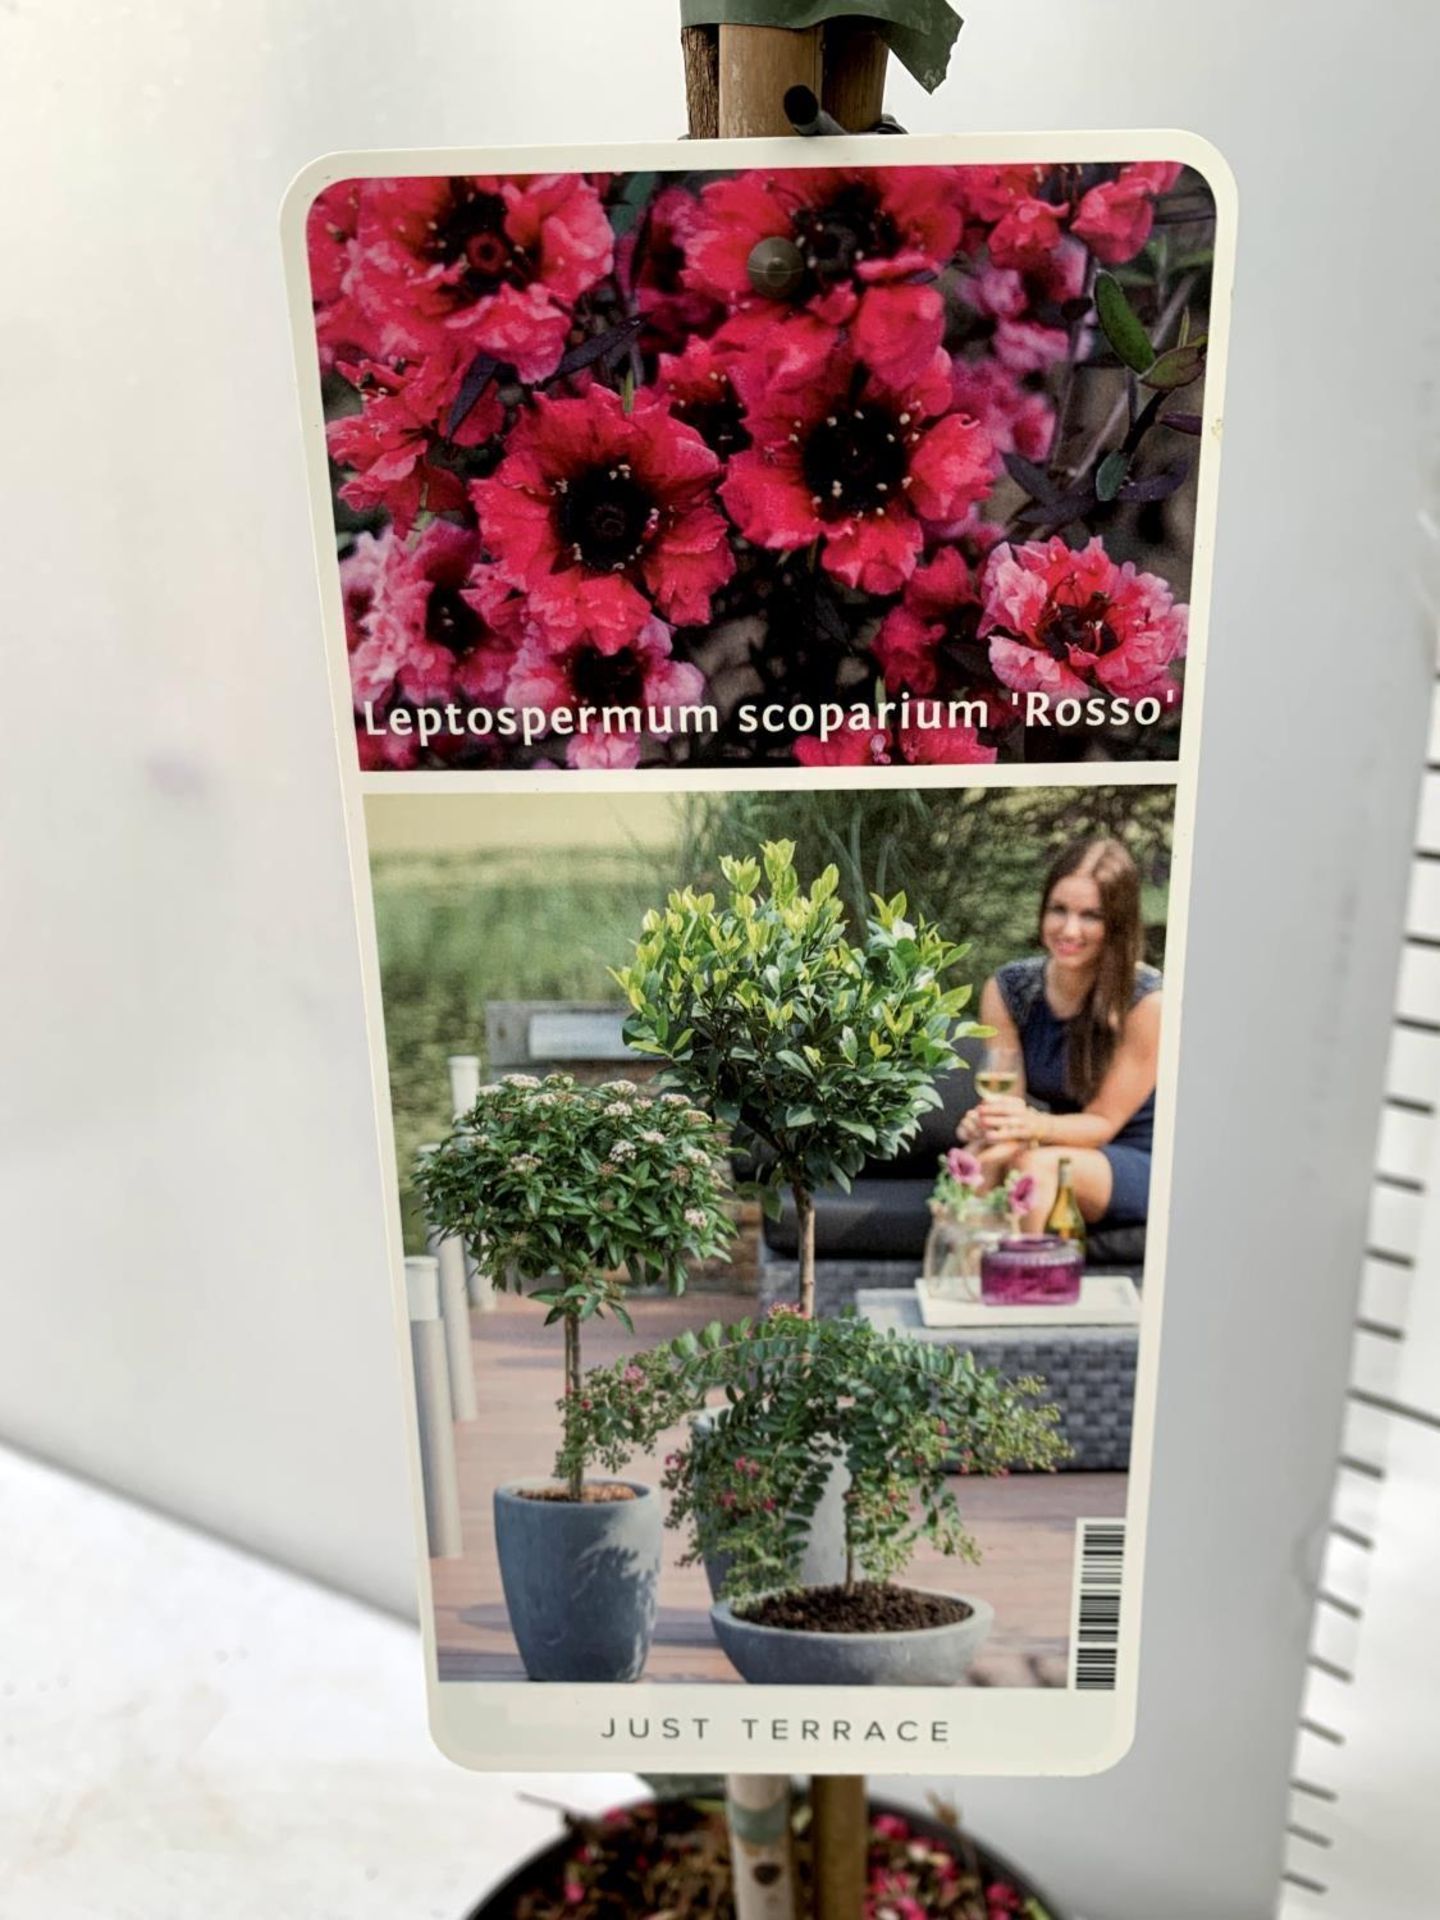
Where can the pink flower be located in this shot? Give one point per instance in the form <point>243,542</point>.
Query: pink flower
<point>1031,333</point>
<point>1115,218</point>
<point>854,231</point>
<point>1018,419</point>
<point>698,386</point>
<point>992,192</point>
<point>1022,1193</point>
<point>340,326</point>
<point>574,1893</point>
<point>941,606</point>
<point>964,1167</point>
<point>651,261</point>
<point>855,462</point>
<point>602,518</point>
<point>425,627</point>
<point>633,1377</point>
<point>889,1826</point>
<point>493,263</point>
<point>1062,621</point>
<point>637,684</point>
<point>927,741</point>
<point>390,446</point>
<point>1027,237</point>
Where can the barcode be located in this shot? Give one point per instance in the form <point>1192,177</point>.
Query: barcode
<point>1096,1640</point>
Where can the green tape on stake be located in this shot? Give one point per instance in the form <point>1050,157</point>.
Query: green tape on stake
<point>920,33</point>
<point>760,1826</point>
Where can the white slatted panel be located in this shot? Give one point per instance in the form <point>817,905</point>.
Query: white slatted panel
<point>1404,1203</point>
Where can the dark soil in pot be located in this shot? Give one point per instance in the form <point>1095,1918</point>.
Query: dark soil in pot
<point>868,1607</point>
<point>674,1859</point>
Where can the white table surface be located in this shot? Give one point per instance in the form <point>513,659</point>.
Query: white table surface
<point>185,1730</point>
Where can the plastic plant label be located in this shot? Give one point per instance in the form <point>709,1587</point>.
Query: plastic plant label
<point>766,598</point>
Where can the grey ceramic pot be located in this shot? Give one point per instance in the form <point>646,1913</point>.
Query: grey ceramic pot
<point>781,1656</point>
<point>581,1581</point>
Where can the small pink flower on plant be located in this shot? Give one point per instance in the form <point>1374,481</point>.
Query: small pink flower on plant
<point>1062,621</point>
<point>1022,1193</point>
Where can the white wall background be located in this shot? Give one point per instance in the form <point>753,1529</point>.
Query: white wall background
<point>195,1307</point>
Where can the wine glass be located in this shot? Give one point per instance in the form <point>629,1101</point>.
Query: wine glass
<point>1001,1072</point>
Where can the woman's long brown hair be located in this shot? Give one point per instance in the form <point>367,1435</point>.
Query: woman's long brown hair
<point>1095,1030</point>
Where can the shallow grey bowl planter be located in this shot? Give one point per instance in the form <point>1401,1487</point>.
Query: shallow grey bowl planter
<point>926,1657</point>
<point>581,1581</point>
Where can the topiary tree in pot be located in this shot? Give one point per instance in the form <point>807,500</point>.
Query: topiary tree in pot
<point>816,1051</point>
<point>575,1193</point>
<point>900,1414</point>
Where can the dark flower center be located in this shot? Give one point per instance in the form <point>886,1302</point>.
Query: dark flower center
<point>608,679</point>
<point>450,622</point>
<point>470,232</point>
<point>853,227</point>
<point>1084,627</point>
<point>717,417</point>
<point>605,517</point>
<point>856,460</point>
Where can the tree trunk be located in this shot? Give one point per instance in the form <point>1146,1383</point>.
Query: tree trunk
<point>805,1228</point>
<point>701,47</point>
<point>576,1485</point>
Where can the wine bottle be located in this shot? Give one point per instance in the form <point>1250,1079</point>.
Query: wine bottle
<point>1065,1220</point>
<point>992,1083</point>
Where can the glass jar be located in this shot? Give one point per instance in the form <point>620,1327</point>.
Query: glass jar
<point>1032,1270</point>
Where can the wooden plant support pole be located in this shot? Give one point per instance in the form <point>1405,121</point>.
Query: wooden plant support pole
<point>757,1807</point>
<point>735,84</point>
<point>841,1828</point>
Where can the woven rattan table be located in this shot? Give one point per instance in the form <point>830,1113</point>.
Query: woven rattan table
<point>1089,1371</point>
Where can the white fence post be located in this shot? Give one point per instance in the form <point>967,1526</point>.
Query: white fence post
<point>464,1085</point>
<point>449,1256</point>
<point>438,1470</point>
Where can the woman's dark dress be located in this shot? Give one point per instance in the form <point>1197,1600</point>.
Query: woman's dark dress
<point>1045,1042</point>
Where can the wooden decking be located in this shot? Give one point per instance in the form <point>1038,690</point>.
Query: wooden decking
<point>1025,1524</point>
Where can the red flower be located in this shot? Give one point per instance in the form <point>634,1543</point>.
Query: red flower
<point>1027,236</point>
<point>495,263</point>
<point>1115,218</point>
<point>1061,622</point>
<point>858,235</point>
<point>602,517</point>
<point>389,445</point>
<point>1031,333</point>
<point>340,326</point>
<point>926,740</point>
<point>697,384</point>
<point>1018,419</point>
<point>855,462</point>
<point>430,627</point>
<point>941,604</point>
<point>639,679</point>
<point>651,259</point>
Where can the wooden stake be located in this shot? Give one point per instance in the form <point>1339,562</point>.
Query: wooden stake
<point>757,1807</point>
<point>757,66</point>
<point>701,47</point>
<point>841,1826</point>
<point>855,60</point>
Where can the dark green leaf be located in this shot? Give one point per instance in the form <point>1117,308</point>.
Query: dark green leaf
<point>1123,327</point>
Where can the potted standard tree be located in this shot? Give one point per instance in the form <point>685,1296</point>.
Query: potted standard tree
<point>575,1191</point>
<point>816,1052</point>
<point>898,1413</point>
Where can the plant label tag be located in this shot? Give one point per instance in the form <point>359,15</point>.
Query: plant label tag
<point>766,597</point>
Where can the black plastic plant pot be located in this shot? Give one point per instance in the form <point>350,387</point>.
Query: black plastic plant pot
<point>542,1878</point>
<point>581,1579</point>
